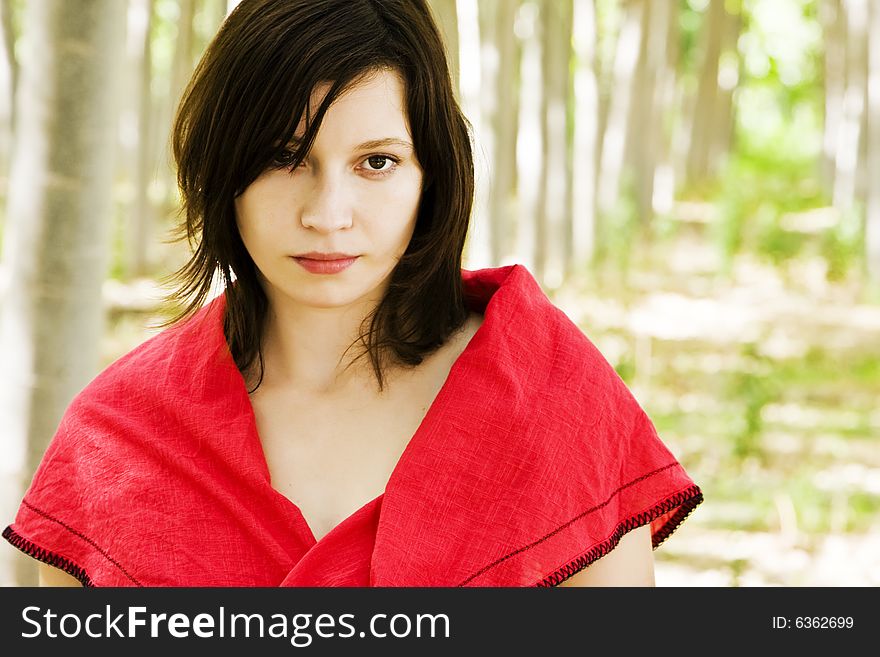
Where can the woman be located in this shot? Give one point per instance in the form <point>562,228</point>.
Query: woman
<point>355,409</point>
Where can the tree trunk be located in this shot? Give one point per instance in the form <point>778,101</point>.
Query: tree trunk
<point>833,19</point>
<point>614,141</point>
<point>7,23</point>
<point>850,133</point>
<point>138,147</point>
<point>55,247</point>
<point>554,204</point>
<point>529,148</point>
<point>664,178</point>
<point>872,222</point>
<point>723,119</point>
<point>446,15</point>
<point>182,66</point>
<point>707,102</point>
<point>8,73</point>
<point>183,50</point>
<point>861,178</point>
<point>216,11</point>
<point>476,246</point>
<point>145,220</point>
<point>586,130</point>
<point>498,112</point>
<point>643,125</point>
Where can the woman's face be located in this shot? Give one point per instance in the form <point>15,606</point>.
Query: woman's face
<point>357,193</point>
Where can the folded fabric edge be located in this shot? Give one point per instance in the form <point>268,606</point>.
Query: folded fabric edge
<point>682,502</point>
<point>46,556</point>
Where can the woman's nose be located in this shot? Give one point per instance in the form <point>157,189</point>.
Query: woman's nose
<point>326,206</point>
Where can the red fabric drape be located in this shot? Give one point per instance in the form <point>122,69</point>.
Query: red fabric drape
<point>533,461</point>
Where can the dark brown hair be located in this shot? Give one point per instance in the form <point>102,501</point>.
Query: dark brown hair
<point>247,96</point>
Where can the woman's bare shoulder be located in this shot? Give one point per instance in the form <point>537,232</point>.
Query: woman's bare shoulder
<point>51,576</point>
<point>470,326</point>
<point>631,563</point>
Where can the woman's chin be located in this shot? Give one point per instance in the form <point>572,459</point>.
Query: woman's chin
<point>328,296</point>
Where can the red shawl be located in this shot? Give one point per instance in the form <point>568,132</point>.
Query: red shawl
<point>532,462</point>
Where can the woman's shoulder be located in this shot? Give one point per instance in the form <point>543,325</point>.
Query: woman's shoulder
<point>536,342</point>
<point>468,329</point>
<point>177,368</point>
<point>516,305</point>
<point>154,396</point>
<point>167,356</point>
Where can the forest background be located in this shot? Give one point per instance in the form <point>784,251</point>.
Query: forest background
<point>693,181</point>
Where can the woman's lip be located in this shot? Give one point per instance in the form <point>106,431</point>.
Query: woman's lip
<point>325,266</point>
<point>317,255</point>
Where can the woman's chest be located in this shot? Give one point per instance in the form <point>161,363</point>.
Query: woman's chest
<point>330,457</point>
<point>331,462</point>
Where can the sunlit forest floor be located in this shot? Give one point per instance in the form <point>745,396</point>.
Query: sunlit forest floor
<point>764,383</point>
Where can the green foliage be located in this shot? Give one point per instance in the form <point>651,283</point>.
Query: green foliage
<point>689,22</point>
<point>781,47</point>
<point>16,15</point>
<point>626,368</point>
<point>751,388</point>
<point>608,16</point>
<point>778,132</point>
<point>773,241</point>
<point>163,37</point>
<point>749,453</point>
<point>664,227</point>
<point>732,211</point>
<point>757,191</point>
<point>819,369</point>
<point>843,245</point>
<point>117,248</point>
<point>772,173</point>
<point>620,230</point>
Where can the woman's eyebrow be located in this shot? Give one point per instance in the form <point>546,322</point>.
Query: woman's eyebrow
<point>387,141</point>
<point>367,145</point>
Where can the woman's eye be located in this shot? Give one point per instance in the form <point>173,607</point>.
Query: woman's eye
<point>374,164</point>
<point>285,159</point>
<point>377,163</point>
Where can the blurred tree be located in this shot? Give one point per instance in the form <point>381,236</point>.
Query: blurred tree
<point>173,54</point>
<point>138,142</point>
<point>833,20</point>
<point>217,12</point>
<point>7,36</point>
<point>586,128</point>
<point>554,193</point>
<point>724,129</point>
<point>623,75</point>
<point>55,244</point>
<point>872,223</point>
<point>183,50</point>
<point>499,110</point>
<point>666,50</point>
<point>647,147</point>
<point>638,152</point>
<point>712,123</point>
<point>850,132</point>
<point>8,74</point>
<point>447,16</point>
<point>529,150</point>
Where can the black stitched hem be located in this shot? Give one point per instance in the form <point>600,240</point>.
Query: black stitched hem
<point>83,537</point>
<point>580,516</point>
<point>685,501</point>
<point>33,550</point>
